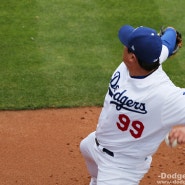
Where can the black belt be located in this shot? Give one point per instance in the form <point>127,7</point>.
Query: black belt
<point>104,149</point>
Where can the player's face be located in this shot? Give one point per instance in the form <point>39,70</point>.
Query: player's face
<point>126,54</point>
<point>128,57</point>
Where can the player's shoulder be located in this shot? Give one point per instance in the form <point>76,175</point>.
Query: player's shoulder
<point>173,94</point>
<point>121,69</point>
<point>121,66</point>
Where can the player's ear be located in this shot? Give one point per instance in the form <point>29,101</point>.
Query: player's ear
<point>133,57</point>
<point>128,56</point>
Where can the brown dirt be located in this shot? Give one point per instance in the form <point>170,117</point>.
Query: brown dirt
<point>41,147</point>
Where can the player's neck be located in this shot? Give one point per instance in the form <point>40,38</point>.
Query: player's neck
<point>133,65</point>
<point>142,73</point>
<point>137,71</point>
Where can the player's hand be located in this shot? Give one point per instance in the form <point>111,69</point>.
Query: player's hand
<point>177,133</point>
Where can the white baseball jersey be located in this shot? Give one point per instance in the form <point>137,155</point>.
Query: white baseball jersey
<point>138,113</point>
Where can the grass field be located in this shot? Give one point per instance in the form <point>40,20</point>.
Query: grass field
<point>61,53</point>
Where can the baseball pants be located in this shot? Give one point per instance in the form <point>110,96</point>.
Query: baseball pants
<point>111,170</point>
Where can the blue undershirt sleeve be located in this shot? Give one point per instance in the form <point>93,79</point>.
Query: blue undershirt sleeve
<point>169,39</point>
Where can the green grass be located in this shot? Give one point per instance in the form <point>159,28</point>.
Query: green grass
<point>61,53</point>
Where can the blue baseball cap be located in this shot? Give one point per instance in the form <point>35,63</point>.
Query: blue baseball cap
<point>144,42</point>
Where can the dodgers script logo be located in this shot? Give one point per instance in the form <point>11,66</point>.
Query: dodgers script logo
<point>121,100</point>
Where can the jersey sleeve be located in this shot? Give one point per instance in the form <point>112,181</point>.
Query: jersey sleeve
<point>173,111</point>
<point>164,54</point>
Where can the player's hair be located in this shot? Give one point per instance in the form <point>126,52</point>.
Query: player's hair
<point>145,65</point>
<point>149,67</point>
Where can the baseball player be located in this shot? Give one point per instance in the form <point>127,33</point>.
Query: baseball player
<point>140,108</point>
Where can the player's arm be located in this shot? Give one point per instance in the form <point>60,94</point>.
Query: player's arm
<point>169,39</point>
<point>173,114</point>
<point>169,42</point>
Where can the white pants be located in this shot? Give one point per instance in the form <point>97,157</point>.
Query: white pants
<point>107,170</point>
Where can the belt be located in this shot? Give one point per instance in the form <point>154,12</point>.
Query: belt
<point>104,149</point>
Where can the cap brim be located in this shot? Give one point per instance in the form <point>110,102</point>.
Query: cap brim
<point>124,34</point>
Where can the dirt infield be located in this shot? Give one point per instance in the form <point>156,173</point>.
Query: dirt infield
<point>41,147</point>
